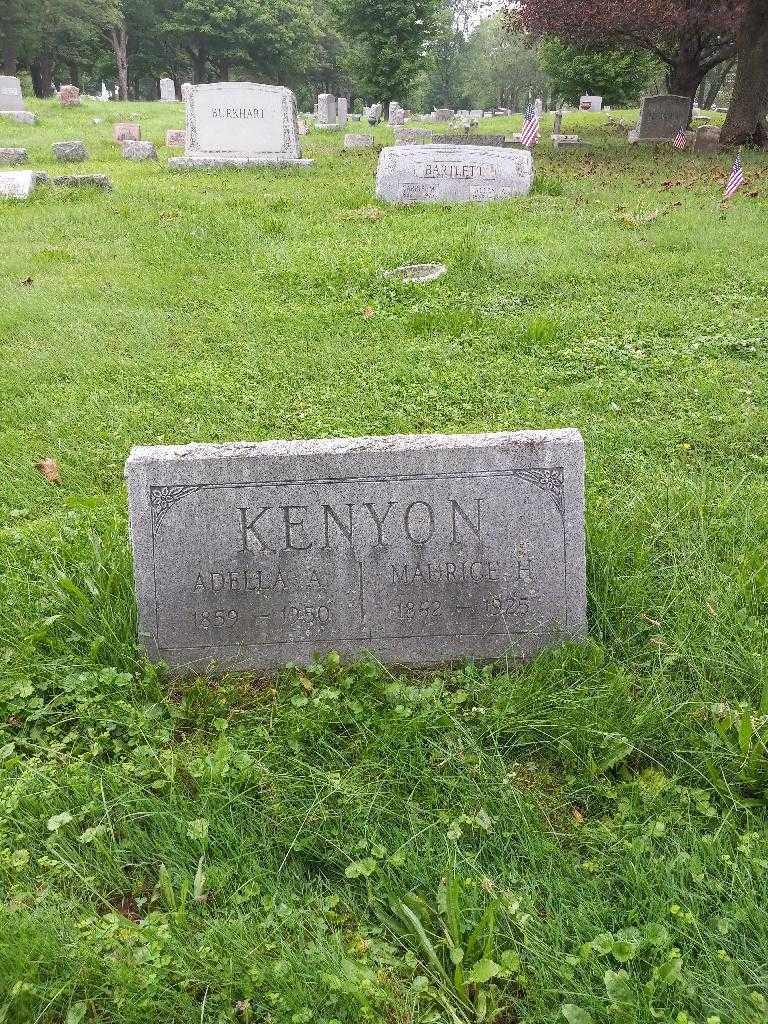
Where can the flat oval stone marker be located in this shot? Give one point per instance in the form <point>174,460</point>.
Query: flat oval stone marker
<point>423,550</point>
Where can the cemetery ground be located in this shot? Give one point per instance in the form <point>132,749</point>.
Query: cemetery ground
<point>589,831</point>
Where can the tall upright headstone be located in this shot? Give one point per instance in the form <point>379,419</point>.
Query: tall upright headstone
<point>10,93</point>
<point>236,124</point>
<point>421,550</point>
<point>661,118</point>
<point>326,110</point>
<point>167,90</point>
<point>342,111</point>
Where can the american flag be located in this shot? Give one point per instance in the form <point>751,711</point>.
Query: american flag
<point>736,179</point>
<point>531,132</point>
<point>681,139</point>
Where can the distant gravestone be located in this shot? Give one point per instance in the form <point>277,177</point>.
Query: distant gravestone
<point>393,106</point>
<point>661,118</point>
<point>139,151</point>
<point>326,110</point>
<point>69,152</point>
<point>83,181</point>
<point>594,104</point>
<point>558,125</point>
<point>420,550</point>
<point>239,124</point>
<point>18,184</point>
<point>126,131</point>
<point>358,140</point>
<point>397,117</point>
<point>413,136</point>
<point>11,155</point>
<point>69,95</point>
<point>452,174</point>
<point>342,111</point>
<point>175,138</point>
<point>476,115</point>
<point>470,140</point>
<point>167,90</point>
<point>707,139</point>
<point>442,114</point>
<point>22,116</point>
<point>10,93</point>
<point>185,87</point>
<point>538,106</point>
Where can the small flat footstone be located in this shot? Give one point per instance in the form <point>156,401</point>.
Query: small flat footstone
<point>452,174</point>
<point>22,116</point>
<point>422,550</point>
<point>175,138</point>
<point>10,155</point>
<point>69,152</point>
<point>139,150</point>
<point>126,131</point>
<point>358,140</point>
<point>83,180</point>
<point>418,273</point>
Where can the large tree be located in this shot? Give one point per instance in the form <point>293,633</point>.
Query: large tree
<point>391,37</point>
<point>746,120</point>
<point>619,76</point>
<point>689,37</point>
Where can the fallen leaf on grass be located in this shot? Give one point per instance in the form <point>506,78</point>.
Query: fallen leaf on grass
<point>368,312</point>
<point>50,470</point>
<point>637,220</point>
<point>364,213</point>
<point>653,622</point>
<point>577,814</point>
<point>27,281</point>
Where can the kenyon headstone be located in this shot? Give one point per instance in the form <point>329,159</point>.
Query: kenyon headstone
<point>421,550</point>
<point>452,174</point>
<point>661,118</point>
<point>167,90</point>
<point>10,93</point>
<point>442,114</point>
<point>239,124</point>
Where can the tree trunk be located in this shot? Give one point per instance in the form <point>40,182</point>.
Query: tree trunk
<point>41,71</point>
<point>745,122</point>
<point>685,71</point>
<point>74,75</point>
<point>118,39</point>
<point>9,63</point>
<point>199,64</point>
<point>224,66</point>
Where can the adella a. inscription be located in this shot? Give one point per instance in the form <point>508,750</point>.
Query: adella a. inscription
<point>417,566</point>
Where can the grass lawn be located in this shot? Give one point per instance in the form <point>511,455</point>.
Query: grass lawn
<point>583,839</point>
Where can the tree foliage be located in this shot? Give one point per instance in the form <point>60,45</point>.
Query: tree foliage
<point>619,76</point>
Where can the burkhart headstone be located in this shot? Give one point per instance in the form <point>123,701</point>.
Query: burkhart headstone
<point>422,550</point>
<point>10,93</point>
<point>661,118</point>
<point>452,174</point>
<point>167,90</point>
<point>240,124</point>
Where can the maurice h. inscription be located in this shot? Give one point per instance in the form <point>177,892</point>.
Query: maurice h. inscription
<point>421,550</point>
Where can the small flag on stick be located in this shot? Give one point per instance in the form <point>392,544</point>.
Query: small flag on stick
<point>736,179</point>
<point>681,140</point>
<point>531,132</point>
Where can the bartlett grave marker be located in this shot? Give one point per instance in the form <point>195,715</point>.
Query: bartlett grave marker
<point>452,174</point>
<point>421,549</point>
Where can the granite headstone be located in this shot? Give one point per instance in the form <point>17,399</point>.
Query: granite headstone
<point>10,93</point>
<point>167,90</point>
<point>661,118</point>
<point>452,174</point>
<point>421,550</point>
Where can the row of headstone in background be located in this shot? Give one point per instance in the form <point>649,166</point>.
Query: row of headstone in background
<point>421,550</point>
<point>331,112</point>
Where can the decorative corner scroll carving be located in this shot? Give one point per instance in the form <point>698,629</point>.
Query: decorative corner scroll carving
<point>161,499</point>
<point>548,480</point>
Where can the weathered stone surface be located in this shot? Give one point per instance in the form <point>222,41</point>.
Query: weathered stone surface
<point>326,109</point>
<point>69,152</point>
<point>452,174</point>
<point>69,95</point>
<point>707,139</point>
<point>413,136</point>
<point>83,180</point>
<point>239,124</point>
<point>19,184</point>
<point>11,155</point>
<point>342,111</point>
<point>476,115</point>
<point>358,140</point>
<point>175,138</point>
<point>185,87</point>
<point>126,131</point>
<point>22,116</point>
<point>167,90</point>
<point>470,140</point>
<point>10,93</point>
<point>442,114</point>
<point>592,103</point>
<point>139,151</point>
<point>661,118</point>
<point>422,550</point>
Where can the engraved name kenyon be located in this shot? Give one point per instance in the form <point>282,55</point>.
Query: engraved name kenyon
<point>419,555</point>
